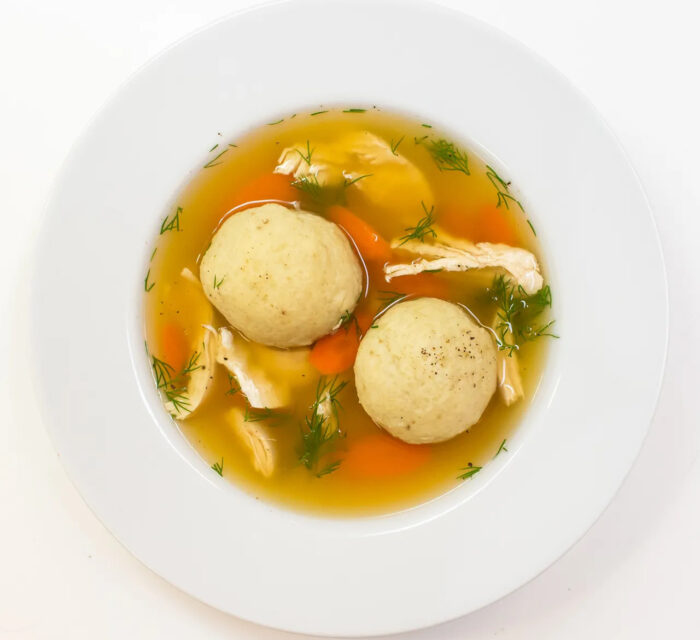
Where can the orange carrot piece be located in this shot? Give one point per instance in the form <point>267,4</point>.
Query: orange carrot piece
<point>173,345</point>
<point>336,352</point>
<point>421,284</point>
<point>371,245</point>
<point>381,456</point>
<point>269,186</point>
<point>486,224</point>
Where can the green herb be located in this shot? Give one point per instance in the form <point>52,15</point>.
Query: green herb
<point>329,468</point>
<point>306,158</point>
<point>309,185</point>
<point>422,229</point>
<point>502,190</point>
<point>354,110</point>
<point>233,146</point>
<point>374,326</point>
<point>419,140</point>
<point>233,388</point>
<point>269,124</point>
<point>153,254</point>
<point>502,447</point>
<point>531,226</point>
<point>171,224</point>
<point>257,415</point>
<point>294,115</point>
<point>347,182</point>
<point>447,156</point>
<point>516,312</point>
<point>174,386</point>
<point>318,113</point>
<point>214,147</point>
<point>469,471</point>
<point>318,432</point>
<point>146,284</point>
<point>213,162</point>
<point>219,467</point>
<point>217,283</point>
<point>350,318</point>
<point>388,299</point>
<point>427,126</point>
<point>395,145</point>
<point>432,270</point>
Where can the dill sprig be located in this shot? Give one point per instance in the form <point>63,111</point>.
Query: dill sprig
<point>318,432</point>
<point>257,415</point>
<point>171,224</point>
<point>532,227</point>
<point>269,124</point>
<point>213,162</point>
<point>174,385</point>
<point>350,318</point>
<point>447,156</point>
<point>219,467</point>
<point>395,145</point>
<point>218,283</point>
<point>502,190</point>
<point>347,182</point>
<point>516,312</point>
<point>309,152</point>
<point>354,110</point>
<point>309,185</point>
<point>502,447</point>
<point>146,285</point>
<point>233,388</point>
<point>423,228</point>
<point>329,468</point>
<point>318,113</point>
<point>469,471</point>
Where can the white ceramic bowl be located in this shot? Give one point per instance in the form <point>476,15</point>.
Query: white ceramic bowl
<point>366,575</point>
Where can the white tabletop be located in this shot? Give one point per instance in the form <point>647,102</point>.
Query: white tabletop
<point>636,573</point>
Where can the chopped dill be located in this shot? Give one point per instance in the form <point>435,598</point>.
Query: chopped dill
<point>306,158</point>
<point>214,147</point>
<point>153,254</point>
<point>395,145</point>
<point>469,471</point>
<point>269,124</point>
<point>422,229</point>
<point>233,388</point>
<point>219,467</point>
<point>516,312</point>
<point>218,283</point>
<point>350,318</point>
<point>171,224</point>
<point>532,227</point>
<point>432,270</point>
<point>318,432</point>
<point>374,326</point>
<point>427,126</point>
<point>318,113</point>
<point>447,156</point>
<point>417,140</point>
<point>503,191</point>
<point>174,386</point>
<point>309,185</point>
<point>347,182</point>
<point>502,447</point>
<point>146,285</point>
<point>354,110</point>
<point>329,468</point>
<point>233,146</point>
<point>213,162</point>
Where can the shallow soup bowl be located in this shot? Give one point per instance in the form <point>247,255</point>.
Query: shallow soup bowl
<point>364,575</point>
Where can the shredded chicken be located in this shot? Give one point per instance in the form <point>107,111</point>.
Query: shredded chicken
<point>255,439</point>
<point>198,383</point>
<point>188,275</point>
<point>261,393</point>
<point>362,161</point>
<point>455,254</point>
<point>510,384</point>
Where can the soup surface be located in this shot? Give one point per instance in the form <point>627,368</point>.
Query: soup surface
<point>431,187</point>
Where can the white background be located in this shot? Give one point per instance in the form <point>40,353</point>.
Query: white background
<point>636,574</point>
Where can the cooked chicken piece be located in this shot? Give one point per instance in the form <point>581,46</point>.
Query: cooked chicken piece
<point>510,384</point>
<point>390,180</point>
<point>198,383</point>
<point>255,439</point>
<point>456,254</point>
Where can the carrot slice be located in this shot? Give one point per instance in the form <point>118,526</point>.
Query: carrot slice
<point>336,352</point>
<point>173,345</point>
<point>380,456</point>
<point>371,245</point>
<point>421,284</point>
<point>269,186</point>
<point>486,224</point>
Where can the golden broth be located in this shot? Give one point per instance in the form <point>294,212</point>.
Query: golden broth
<point>461,204</point>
